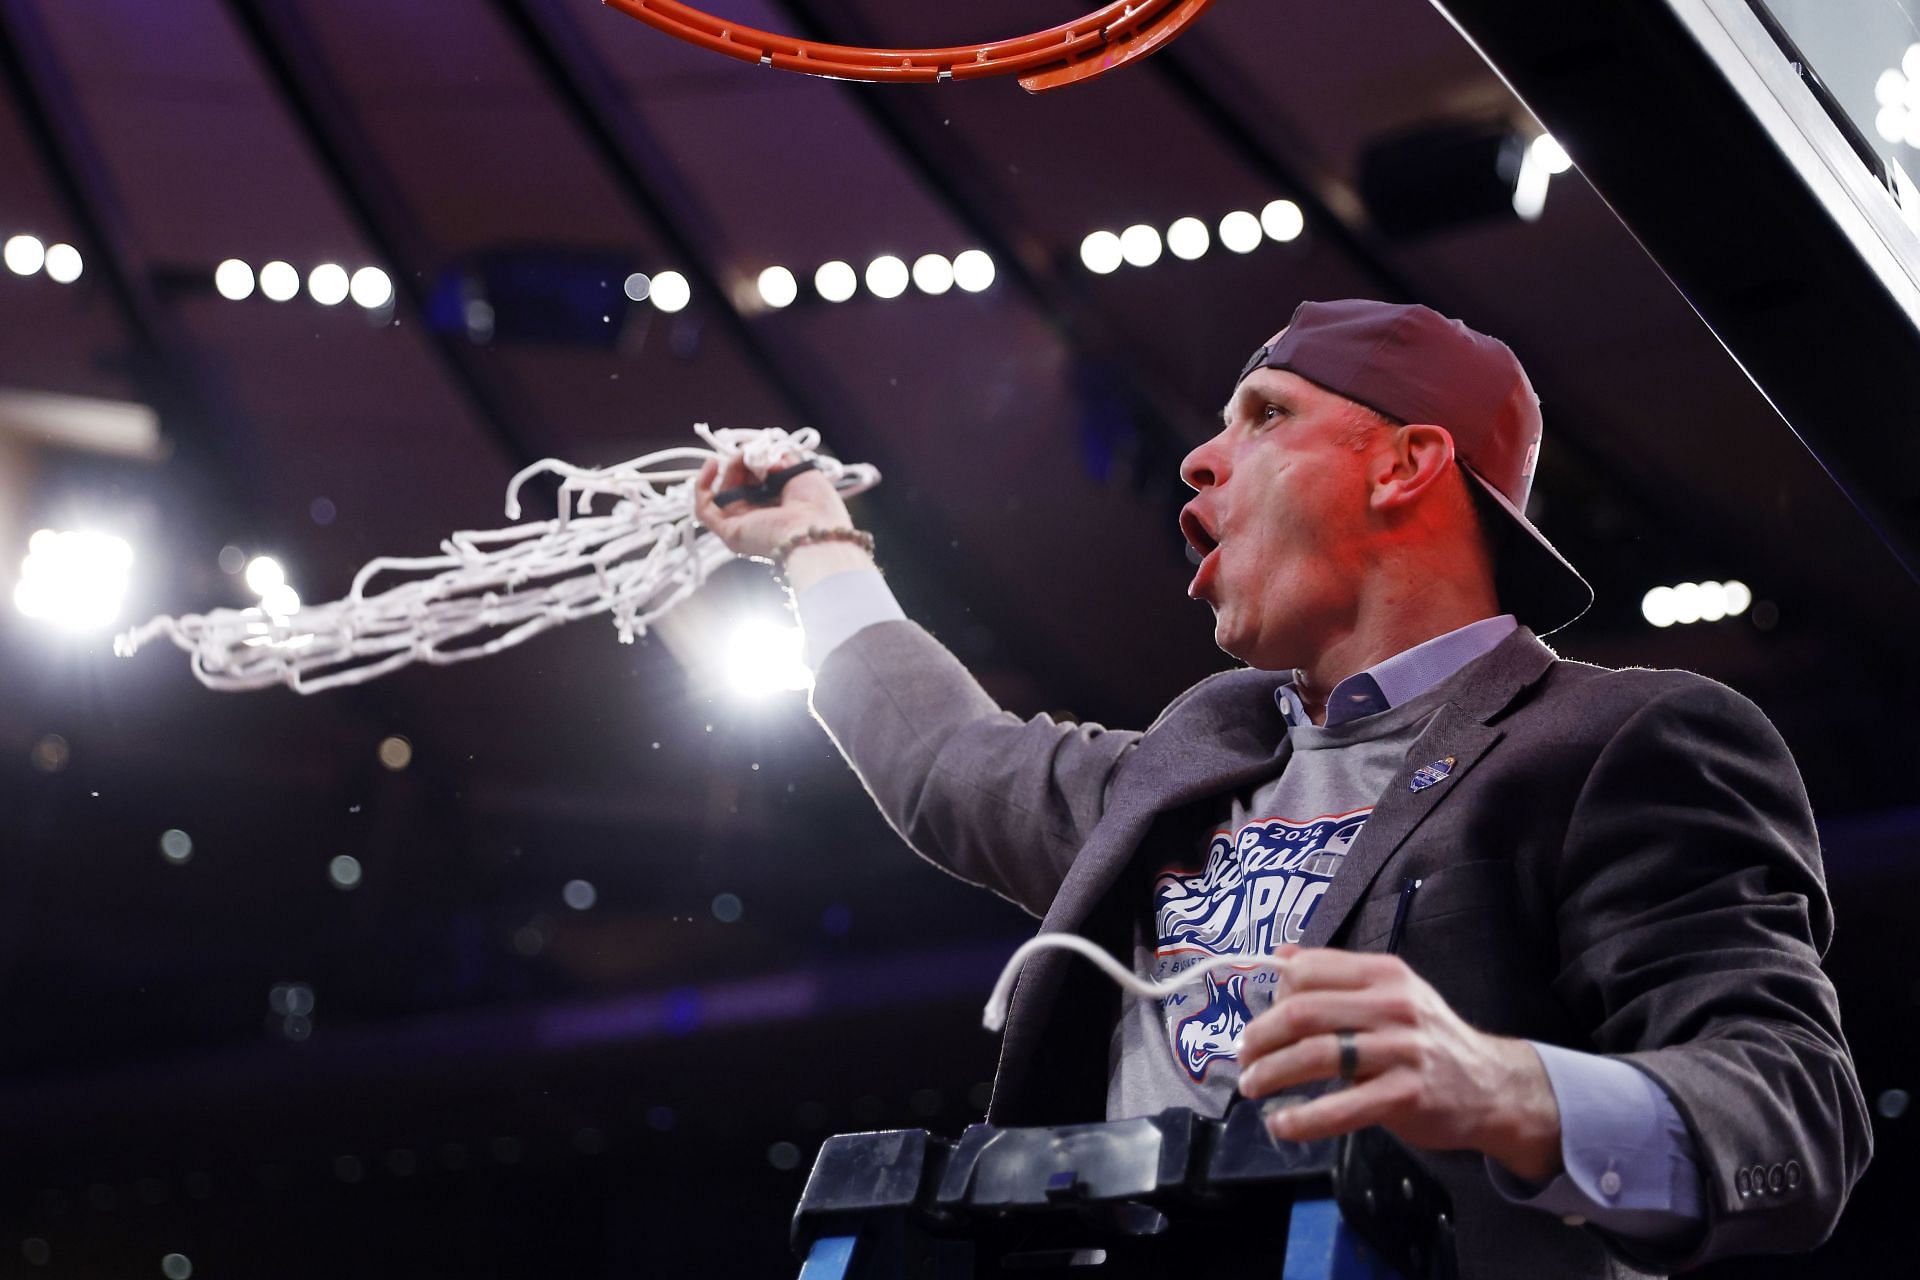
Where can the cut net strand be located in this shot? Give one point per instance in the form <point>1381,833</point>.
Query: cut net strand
<point>491,589</point>
<point>994,1017</point>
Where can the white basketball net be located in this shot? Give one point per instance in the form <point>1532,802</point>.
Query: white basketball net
<point>489,590</point>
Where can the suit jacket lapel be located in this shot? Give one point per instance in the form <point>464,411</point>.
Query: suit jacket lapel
<point>1461,730</point>
<point>1452,733</point>
<point>1232,737</point>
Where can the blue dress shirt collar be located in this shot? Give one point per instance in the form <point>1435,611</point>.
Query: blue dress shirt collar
<point>1407,674</point>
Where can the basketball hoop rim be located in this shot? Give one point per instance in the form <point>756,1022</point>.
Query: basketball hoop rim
<point>1114,34</point>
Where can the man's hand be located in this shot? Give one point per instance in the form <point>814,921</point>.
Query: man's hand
<point>809,501</point>
<point>1423,1073</point>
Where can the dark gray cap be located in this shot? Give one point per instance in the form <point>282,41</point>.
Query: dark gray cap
<point>1414,364</point>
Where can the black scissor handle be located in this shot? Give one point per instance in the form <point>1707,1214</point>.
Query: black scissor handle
<point>766,491</point>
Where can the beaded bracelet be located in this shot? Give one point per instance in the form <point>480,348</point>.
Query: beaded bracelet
<point>818,534</point>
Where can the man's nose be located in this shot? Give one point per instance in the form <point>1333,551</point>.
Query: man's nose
<point>1202,467</point>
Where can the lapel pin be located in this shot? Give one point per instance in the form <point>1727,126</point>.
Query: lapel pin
<point>1428,774</point>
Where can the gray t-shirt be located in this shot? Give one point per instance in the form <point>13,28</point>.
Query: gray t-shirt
<point>1251,889</point>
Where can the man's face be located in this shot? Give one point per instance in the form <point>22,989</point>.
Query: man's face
<point>1281,516</point>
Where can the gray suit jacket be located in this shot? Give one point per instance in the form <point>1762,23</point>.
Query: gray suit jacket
<point>1622,862</point>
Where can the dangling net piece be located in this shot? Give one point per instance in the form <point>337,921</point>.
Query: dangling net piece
<point>1109,37</point>
<point>994,1017</point>
<point>489,590</point>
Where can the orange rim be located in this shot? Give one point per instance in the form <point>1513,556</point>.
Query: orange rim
<point>1109,37</point>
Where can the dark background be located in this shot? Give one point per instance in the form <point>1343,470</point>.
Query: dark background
<point>446,1069</point>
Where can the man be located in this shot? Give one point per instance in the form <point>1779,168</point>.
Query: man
<point>1557,926</point>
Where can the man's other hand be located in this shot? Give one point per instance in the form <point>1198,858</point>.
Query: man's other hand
<point>1421,1072</point>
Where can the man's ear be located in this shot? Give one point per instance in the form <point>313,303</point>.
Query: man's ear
<point>1417,457</point>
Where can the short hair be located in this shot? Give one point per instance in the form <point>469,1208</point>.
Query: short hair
<point>1362,422</point>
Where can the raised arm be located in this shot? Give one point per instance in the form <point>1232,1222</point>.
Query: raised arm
<point>997,800</point>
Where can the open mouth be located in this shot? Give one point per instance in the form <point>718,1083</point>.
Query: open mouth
<point>1200,541</point>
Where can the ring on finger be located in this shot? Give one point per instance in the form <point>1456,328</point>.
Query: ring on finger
<point>1347,1041</point>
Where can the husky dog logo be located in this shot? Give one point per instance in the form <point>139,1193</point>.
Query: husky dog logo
<point>1209,1034</point>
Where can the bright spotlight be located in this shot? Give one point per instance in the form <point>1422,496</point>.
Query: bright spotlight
<point>1282,220</point>
<point>233,279</point>
<point>1890,122</point>
<point>264,574</point>
<point>74,579</point>
<point>24,255</point>
<point>637,286</point>
<point>973,270</point>
<point>327,284</point>
<point>1688,601</point>
<point>671,292</point>
<point>281,601</point>
<point>777,286</point>
<point>1910,62</point>
<point>1140,245</point>
<point>835,281</point>
<point>371,288</point>
<point>1530,188</point>
<point>1240,231</point>
<point>1101,253</point>
<point>887,276</point>
<point>763,657</point>
<point>279,281</point>
<point>1187,238</point>
<point>932,274</point>
<point>63,263</point>
<point>1550,155</point>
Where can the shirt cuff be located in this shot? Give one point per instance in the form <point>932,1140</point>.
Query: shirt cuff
<point>1629,1166</point>
<point>833,609</point>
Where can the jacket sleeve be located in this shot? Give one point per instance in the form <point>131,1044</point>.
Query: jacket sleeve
<point>1692,918</point>
<point>996,800</point>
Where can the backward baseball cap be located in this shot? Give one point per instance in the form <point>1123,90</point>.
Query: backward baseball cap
<point>1414,364</point>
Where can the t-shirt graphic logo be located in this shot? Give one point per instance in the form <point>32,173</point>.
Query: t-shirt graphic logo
<point>1257,890</point>
<point>1209,1034</point>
